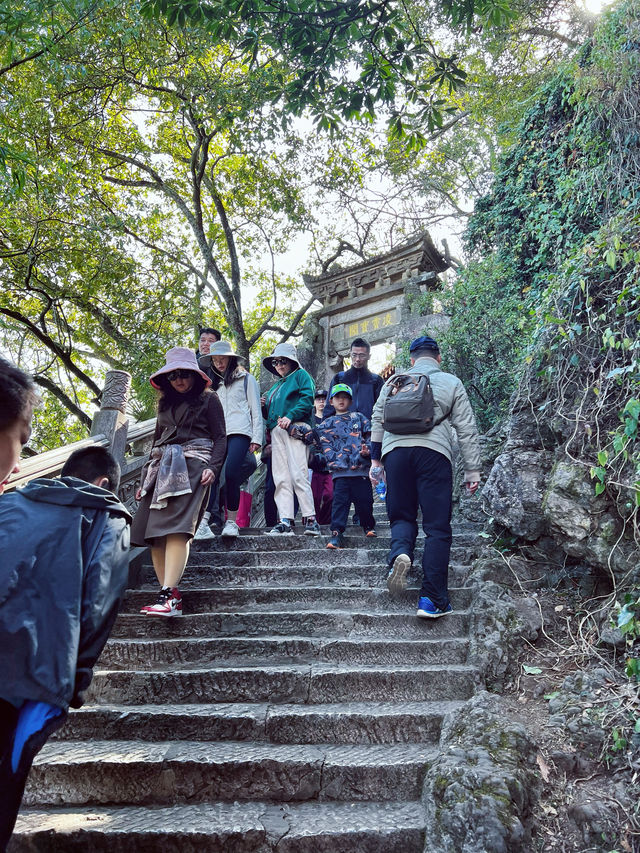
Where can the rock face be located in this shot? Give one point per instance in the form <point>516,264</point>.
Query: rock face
<point>295,707</point>
<point>539,495</point>
<point>480,791</point>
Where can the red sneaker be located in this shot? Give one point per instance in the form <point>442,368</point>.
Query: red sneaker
<point>169,603</point>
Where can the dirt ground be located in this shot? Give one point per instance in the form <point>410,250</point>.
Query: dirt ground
<point>590,799</point>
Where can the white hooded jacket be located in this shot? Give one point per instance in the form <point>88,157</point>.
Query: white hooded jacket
<point>241,405</point>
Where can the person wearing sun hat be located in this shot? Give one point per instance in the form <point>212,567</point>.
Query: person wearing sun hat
<point>289,401</point>
<point>239,394</point>
<point>189,446</point>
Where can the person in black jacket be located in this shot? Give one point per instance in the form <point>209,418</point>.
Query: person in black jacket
<point>64,560</point>
<point>366,386</point>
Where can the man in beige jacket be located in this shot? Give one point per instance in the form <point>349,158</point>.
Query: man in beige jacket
<point>418,472</point>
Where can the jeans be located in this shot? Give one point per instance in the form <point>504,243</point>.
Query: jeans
<point>421,476</point>
<point>348,490</point>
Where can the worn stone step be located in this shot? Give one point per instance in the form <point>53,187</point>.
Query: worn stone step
<point>257,541</point>
<point>249,827</point>
<point>371,575</point>
<point>361,555</point>
<point>202,600</point>
<point>309,623</point>
<point>165,773</point>
<point>346,722</point>
<point>305,683</point>
<point>153,653</point>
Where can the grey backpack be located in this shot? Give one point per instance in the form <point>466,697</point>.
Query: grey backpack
<point>410,406</point>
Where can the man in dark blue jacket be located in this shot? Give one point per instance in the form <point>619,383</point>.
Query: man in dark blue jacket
<point>63,569</point>
<point>365,386</point>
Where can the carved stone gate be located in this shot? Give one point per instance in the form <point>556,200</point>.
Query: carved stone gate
<point>373,299</point>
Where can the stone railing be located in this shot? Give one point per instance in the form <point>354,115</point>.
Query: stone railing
<point>128,441</point>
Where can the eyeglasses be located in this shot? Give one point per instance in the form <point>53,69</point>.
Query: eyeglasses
<point>359,356</point>
<point>179,374</point>
<point>276,362</point>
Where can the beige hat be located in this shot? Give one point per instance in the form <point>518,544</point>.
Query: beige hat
<point>281,351</point>
<point>179,358</point>
<point>219,348</point>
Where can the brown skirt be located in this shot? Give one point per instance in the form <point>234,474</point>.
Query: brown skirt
<point>182,514</point>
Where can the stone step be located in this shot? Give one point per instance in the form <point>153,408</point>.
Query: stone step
<point>371,575</point>
<point>169,773</point>
<point>353,535</point>
<point>347,722</point>
<point>153,654</point>
<point>207,600</point>
<point>362,555</point>
<point>304,683</point>
<point>306,623</point>
<point>249,827</point>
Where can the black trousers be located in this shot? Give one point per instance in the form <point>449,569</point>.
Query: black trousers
<point>419,476</point>
<point>348,490</point>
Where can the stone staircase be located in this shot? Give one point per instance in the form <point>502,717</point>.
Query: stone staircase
<point>294,708</point>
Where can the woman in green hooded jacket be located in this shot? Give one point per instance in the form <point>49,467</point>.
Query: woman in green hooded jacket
<point>288,402</point>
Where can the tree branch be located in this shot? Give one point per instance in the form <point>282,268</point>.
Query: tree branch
<point>66,401</point>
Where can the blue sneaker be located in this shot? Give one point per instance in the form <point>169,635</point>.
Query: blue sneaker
<point>428,610</point>
<point>397,577</point>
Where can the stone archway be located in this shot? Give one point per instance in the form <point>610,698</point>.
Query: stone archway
<point>372,299</point>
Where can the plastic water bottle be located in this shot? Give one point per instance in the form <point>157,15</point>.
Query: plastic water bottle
<point>380,484</point>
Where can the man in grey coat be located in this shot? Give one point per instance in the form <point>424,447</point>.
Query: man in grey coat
<point>418,472</point>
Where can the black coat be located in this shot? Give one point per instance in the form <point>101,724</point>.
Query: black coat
<point>366,387</point>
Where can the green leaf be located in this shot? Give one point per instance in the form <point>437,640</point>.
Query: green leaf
<point>531,670</point>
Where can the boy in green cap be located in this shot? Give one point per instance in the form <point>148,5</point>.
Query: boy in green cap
<point>344,440</point>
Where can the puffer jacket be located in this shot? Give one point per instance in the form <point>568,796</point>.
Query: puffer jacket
<point>452,406</point>
<point>64,561</point>
<point>241,405</point>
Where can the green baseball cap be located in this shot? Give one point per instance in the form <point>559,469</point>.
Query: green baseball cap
<point>341,388</point>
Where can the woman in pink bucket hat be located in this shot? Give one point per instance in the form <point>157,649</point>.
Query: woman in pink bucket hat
<point>189,447</point>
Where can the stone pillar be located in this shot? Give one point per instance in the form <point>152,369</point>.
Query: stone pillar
<point>111,420</point>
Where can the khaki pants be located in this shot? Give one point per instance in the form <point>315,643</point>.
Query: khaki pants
<point>290,473</point>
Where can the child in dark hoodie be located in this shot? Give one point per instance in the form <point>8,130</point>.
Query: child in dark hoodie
<point>344,441</point>
<point>63,569</point>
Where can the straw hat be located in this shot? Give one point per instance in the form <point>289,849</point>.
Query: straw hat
<point>281,351</point>
<point>179,358</point>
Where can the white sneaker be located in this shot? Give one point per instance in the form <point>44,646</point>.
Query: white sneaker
<point>230,529</point>
<point>204,531</point>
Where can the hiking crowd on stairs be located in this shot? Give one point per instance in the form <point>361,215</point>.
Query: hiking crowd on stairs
<point>326,450</point>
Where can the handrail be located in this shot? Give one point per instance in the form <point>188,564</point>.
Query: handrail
<point>51,461</point>
<point>140,430</point>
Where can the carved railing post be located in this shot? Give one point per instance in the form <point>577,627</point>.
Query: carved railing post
<point>111,420</point>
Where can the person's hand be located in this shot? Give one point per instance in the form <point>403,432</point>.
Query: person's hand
<point>376,464</point>
<point>254,447</point>
<point>207,477</point>
<point>263,401</point>
<point>365,451</point>
<point>472,486</point>
<point>138,494</point>
<point>283,423</point>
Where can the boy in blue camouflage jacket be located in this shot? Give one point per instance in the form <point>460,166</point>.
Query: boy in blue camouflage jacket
<point>344,440</point>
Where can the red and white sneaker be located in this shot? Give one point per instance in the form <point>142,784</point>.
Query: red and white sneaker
<point>169,603</point>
